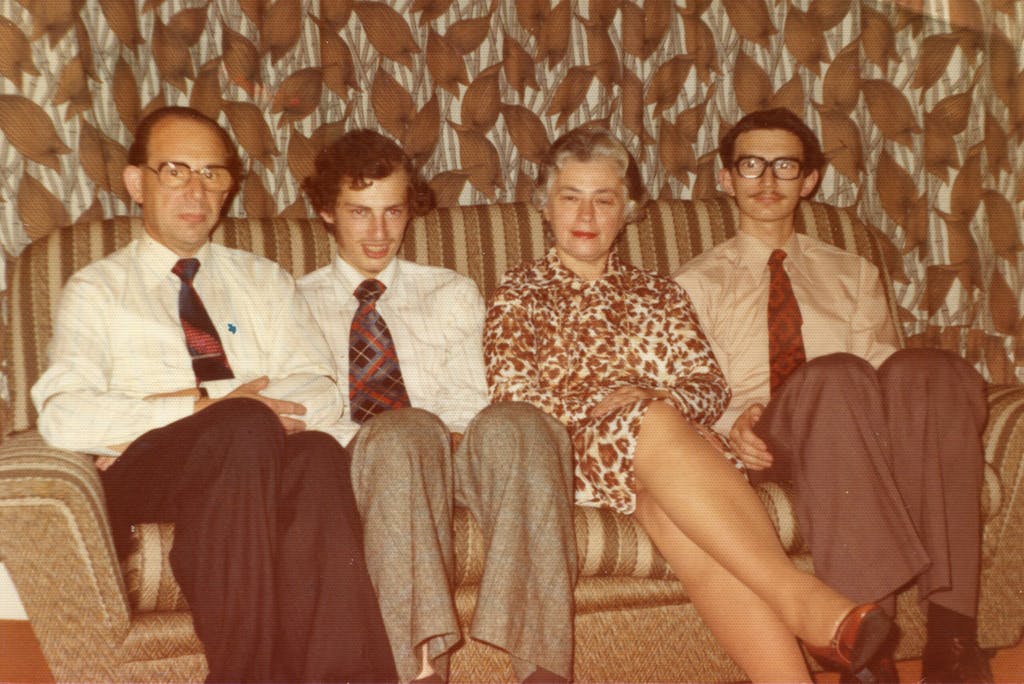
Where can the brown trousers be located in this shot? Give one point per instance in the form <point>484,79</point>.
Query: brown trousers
<point>267,545</point>
<point>887,467</point>
<point>513,470</point>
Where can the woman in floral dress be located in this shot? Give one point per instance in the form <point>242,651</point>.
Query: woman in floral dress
<point>616,354</point>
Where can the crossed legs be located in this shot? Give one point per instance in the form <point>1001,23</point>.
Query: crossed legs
<point>715,534</point>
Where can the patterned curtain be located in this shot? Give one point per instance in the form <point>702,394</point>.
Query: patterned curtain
<point>918,102</point>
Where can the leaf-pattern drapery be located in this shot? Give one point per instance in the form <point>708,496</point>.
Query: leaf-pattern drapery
<point>919,104</point>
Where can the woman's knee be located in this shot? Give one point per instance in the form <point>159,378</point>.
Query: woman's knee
<point>664,434</point>
<point>661,417</point>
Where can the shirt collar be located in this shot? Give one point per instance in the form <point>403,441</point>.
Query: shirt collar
<point>348,278</point>
<point>752,253</point>
<point>156,261</point>
<point>561,273</point>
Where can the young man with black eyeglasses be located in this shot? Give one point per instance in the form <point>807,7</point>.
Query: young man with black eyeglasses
<point>882,445</point>
<point>195,375</point>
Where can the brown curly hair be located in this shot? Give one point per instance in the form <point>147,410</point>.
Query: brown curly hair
<point>358,157</point>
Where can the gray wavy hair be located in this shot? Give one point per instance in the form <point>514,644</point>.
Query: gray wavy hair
<point>588,143</point>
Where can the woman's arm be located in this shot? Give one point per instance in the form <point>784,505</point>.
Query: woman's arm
<point>514,367</point>
<point>702,392</point>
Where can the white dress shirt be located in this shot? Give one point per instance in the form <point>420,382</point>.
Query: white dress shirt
<point>436,318</point>
<point>841,300</point>
<point>117,339</point>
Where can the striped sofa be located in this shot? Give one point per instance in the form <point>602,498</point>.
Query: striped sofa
<point>101,621</point>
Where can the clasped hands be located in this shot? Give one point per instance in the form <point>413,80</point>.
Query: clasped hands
<point>285,410</point>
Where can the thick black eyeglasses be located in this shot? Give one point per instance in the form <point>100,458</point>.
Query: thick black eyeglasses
<point>176,175</point>
<point>783,168</point>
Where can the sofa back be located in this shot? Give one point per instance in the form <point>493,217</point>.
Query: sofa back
<point>480,241</point>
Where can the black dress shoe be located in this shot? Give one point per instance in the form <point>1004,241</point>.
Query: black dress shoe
<point>879,671</point>
<point>955,660</point>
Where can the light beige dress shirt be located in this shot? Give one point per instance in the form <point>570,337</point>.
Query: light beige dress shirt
<point>117,339</point>
<point>841,301</point>
<point>436,319</point>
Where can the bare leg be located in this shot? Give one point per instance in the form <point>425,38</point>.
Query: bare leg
<point>711,504</point>
<point>748,629</point>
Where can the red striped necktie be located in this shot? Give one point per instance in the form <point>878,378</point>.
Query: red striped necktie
<point>785,341</point>
<point>374,377</point>
<point>209,362</point>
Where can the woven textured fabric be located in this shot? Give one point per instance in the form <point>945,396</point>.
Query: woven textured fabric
<point>55,541</point>
<point>99,622</point>
<point>374,377</point>
<point>209,362</point>
<point>147,570</point>
<point>785,338</point>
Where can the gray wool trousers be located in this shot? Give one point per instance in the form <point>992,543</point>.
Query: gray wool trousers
<point>514,471</point>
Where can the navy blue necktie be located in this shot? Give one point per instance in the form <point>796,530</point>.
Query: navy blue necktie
<point>209,362</point>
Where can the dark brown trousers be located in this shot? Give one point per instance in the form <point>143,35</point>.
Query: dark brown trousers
<point>267,546</point>
<point>887,467</point>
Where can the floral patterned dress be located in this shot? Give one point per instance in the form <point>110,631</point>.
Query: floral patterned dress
<point>563,344</point>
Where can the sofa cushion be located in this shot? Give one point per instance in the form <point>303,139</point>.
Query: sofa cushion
<point>608,544</point>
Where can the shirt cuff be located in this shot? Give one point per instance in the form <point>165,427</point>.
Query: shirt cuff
<point>168,410</point>
<point>220,388</point>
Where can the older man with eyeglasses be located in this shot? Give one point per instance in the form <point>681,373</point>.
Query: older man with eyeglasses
<point>196,376</point>
<point>882,445</point>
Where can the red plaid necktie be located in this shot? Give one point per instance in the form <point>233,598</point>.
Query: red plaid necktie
<point>785,342</point>
<point>374,378</point>
<point>208,359</point>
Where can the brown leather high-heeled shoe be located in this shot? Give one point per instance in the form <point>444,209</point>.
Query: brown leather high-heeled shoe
<point>858,637</point>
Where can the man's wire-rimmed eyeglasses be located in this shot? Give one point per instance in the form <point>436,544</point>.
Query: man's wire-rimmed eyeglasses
<point>175,175</point>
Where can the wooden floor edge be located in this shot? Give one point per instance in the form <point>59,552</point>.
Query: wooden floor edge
<point>21,659</point>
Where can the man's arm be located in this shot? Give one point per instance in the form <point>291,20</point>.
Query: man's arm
<point>77,410</point>
<point>872,331</point>
<point>510,356</point>
<point>298,360</point>
<point>462,379</point>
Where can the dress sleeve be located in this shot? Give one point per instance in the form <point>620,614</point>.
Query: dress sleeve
<point>702,393</point>
<point>514,367</point>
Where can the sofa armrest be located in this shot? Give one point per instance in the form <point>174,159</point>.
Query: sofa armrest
<point>55,541</point>
<point>1002,595</point>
